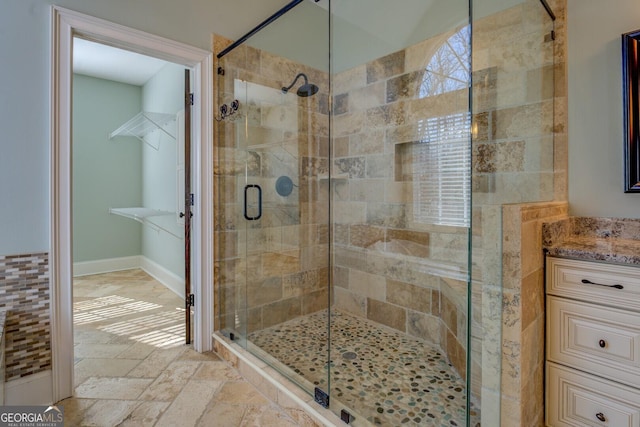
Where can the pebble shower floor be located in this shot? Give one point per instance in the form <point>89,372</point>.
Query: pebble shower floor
<point>387,377</point>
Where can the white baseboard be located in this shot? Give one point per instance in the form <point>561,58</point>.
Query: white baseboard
<point>171,280</point>
<point>164,276</point>
<point>35,389</point>
<point>106,265</point>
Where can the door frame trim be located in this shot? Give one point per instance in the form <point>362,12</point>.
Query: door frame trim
<point>64,26</point>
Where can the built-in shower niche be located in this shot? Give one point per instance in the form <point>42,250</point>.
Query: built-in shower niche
<point>403,161</point>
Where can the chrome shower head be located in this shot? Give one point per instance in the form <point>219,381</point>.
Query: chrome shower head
<point>307,89</point>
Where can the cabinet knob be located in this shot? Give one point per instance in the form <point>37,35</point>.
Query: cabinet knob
<point>601,417</point>
<point>602,343</point>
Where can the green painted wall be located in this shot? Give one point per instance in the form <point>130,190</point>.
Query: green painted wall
<point>106,173</point>
<point>163,93</point>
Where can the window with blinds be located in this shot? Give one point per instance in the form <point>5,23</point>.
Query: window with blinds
<point>442,156</point>
<point>442,168</point>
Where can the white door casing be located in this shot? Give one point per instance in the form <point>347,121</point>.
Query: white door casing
<point>65,25</point>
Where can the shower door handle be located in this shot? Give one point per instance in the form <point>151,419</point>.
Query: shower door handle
<point>246,202</point>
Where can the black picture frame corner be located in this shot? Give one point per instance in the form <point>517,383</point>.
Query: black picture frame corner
<point>631,110</point>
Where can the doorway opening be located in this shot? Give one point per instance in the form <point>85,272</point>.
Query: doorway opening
<point>67,25</point>
<point>129,236</point>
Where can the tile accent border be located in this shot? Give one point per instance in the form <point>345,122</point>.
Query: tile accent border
<point>24,296</point>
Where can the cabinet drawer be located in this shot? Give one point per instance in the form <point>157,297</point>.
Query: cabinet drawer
<point>603,341</point>
<point>577,399</point>
<point>615,285</point>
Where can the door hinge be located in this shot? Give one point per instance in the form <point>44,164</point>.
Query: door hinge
<point>190,98</point>
<point>190,301</point>
<point>191,198</point>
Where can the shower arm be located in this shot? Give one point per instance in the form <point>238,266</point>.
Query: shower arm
<point>306,82</point>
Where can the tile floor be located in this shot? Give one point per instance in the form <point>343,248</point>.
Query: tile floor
<point>132,367</point>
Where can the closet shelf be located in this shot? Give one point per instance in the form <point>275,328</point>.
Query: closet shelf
<point>155,218</point>
<point>143,123</point>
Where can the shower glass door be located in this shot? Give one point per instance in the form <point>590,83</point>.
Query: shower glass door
<point>273,180</point>
<point>360,212</point>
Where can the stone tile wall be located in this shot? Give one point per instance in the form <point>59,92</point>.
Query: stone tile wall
<point>519,146</point>
<point>24,296</point>
<point>412,277</point>
<point>523,323</point>
<point>391,266</point>
<point>276,269</point>
<point>518,157</point>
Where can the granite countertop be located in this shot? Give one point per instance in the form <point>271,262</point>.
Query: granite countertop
<point>594,239</point>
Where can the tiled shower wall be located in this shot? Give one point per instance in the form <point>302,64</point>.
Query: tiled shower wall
<point>406,275</point>
<point>384,260</point>
<point>519,167</point>
<point>410,276</point>
<point>282,260</point>
<point>24,296</point>
<point>390,265</point>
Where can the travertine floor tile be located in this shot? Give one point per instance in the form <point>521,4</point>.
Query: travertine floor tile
<point>241,392</point>
<point>89,335</point>
<point>86,368</point>
<point>74,410</point>
<point>137,351</point>
<point>163,390</point>
<point>146,414</point>
<point>223,413</point>
<point>219,371</point>
<point>157,361</point>
<point>190,404</point>
<point>266,416</point>
<point>108,413</point>
<point>99,350</point>
<point>134,370</point>
<point>112,388</point>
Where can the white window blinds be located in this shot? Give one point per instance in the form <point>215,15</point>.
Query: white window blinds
<point>441,171</point>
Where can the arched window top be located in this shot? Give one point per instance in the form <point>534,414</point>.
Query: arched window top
<point>449,68</point>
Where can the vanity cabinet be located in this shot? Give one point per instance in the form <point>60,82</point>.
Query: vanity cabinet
<point>592,343</point>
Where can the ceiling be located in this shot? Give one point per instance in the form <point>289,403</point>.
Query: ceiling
<point>110,63</point>
<point>377,30</point>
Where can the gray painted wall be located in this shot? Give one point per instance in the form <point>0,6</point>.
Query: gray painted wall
<point>25,40</point>
<point>595,107</point>
<point>106,173</point>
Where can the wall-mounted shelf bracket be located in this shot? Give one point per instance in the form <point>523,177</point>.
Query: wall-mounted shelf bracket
<point>144,123</point>
<point>155,218</point>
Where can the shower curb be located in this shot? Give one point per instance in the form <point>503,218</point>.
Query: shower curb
<point>279,389</point>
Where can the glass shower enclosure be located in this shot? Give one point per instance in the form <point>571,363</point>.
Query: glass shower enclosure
<point>349,256</point>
